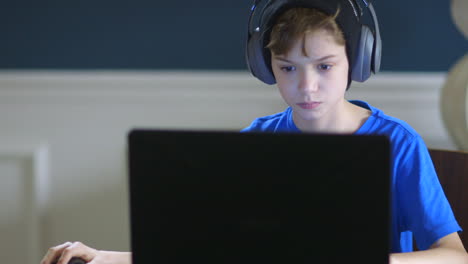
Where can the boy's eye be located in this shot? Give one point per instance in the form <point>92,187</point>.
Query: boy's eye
<point>288,68</point>
<point>324,67</point>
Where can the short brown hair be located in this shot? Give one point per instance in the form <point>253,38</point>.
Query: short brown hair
<point>295,23</point>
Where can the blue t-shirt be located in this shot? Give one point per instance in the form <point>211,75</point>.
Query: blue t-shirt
<point>419,205</point>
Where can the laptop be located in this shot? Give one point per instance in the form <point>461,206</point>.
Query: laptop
<point>230,197</point>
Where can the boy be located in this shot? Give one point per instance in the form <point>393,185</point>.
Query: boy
<point>310,53</point>
<point>313,52</point>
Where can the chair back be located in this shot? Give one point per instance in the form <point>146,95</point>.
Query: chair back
<point>452,170</point>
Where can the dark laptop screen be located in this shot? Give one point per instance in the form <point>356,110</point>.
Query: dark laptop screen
<point>228,197</point>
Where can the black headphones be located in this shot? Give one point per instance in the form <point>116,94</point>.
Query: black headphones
<point>367,55</point>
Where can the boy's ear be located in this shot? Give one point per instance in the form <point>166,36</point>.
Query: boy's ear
<point>256,60</point>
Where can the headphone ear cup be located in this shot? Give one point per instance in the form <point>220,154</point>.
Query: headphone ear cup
<point>377,54</point>
<point>256,60</point>
<point>361,69</point>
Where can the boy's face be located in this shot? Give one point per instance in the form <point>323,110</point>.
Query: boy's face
<point>314,84</point>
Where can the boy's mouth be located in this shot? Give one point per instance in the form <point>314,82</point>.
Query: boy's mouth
<point>309,105</point>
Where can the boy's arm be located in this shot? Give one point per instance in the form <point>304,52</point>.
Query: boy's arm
<point>447,250</point>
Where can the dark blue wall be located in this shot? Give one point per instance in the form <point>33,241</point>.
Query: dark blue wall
<point>418,35</point>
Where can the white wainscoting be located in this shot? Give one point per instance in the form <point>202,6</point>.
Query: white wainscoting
<point>23,199</point>
<point>79,186</point>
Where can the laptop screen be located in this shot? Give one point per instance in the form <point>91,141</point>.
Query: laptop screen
<point>228,197</point>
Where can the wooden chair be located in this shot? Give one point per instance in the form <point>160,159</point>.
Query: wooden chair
<point>452,169</point>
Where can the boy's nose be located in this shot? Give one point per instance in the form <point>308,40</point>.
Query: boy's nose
<point>309,82</point>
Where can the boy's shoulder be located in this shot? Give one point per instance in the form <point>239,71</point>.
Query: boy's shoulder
<point>271,123</point>
<point>381,123</point>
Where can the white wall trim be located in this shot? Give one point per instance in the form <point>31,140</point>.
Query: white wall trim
<point>149,87</point>
<point>407,96</point>
<point>38,157</point>
<point>397,87</point>
<point>122,84</point>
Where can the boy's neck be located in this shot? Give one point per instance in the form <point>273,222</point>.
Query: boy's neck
<point>346,118</point>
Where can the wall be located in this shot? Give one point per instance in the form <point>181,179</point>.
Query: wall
<point>417,35</point>
<point>63,135</point>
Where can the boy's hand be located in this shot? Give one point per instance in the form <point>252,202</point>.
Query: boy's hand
<point>63,253</point>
